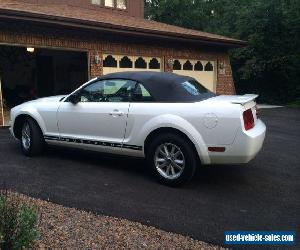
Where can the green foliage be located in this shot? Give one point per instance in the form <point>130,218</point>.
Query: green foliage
<point>295,104</point>
<point>270,64</point>
<point>17,223</point>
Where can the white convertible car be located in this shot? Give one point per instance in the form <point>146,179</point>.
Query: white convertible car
<point>171,120</point>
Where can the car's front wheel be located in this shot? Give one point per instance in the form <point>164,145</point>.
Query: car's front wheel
<point>172,159</point>
<point>32,140</point>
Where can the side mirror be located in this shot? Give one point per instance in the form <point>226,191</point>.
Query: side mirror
<point>74,98</point>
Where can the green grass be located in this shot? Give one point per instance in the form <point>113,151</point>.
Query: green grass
<point>294,104</point>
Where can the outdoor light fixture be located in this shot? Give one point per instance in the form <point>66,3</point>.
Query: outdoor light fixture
<point>222,65</point>
<point>171,62</point>
<point>30,49</point>
<point>97,59</point>
<point>222,68</point>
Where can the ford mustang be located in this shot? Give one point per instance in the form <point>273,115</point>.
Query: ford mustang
<point>172,121</point>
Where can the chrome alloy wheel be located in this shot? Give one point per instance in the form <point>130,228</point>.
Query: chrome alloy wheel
<point>26,136</point>
<point>169,161</point>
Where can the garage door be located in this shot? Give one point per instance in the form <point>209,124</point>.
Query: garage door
<point>203,71</point>
<point>119,63</point>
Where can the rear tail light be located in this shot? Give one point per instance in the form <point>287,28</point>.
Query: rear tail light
<point>248,119</point>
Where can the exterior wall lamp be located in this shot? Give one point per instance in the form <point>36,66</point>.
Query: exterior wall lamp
<point>222,65</point>
<point>222,68</point>
<point>30,49</point>
<point>98,59</point>
<point>171,63</point>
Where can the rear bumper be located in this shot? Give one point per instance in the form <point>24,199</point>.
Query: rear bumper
<point>244,148</point>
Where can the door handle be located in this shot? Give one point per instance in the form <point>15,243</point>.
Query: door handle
<point>116,113</point>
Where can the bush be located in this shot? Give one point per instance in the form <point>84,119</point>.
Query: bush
<point>18,223</point>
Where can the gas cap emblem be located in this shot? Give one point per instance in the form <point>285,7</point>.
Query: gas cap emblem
<point>210,120</point>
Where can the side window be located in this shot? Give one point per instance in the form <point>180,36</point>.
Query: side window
<point>141,94</point>
<point>116,90</point>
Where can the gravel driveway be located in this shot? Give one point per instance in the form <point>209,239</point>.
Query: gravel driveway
<point>263,195</point>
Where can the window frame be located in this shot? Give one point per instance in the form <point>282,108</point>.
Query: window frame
<point>96,4</point>
<point>115,4</point>
<point>134,101</point>
<point>77,92</point>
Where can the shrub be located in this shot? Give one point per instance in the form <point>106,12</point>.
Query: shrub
<point>18,223</point>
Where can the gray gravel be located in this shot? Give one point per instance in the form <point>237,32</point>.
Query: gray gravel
<point>69,228</point>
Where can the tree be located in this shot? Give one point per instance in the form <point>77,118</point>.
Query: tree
<point>270,64</point>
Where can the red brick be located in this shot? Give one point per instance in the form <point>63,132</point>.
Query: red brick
<point>93,44</point>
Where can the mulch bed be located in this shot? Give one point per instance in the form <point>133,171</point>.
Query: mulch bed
<point>69,228</point>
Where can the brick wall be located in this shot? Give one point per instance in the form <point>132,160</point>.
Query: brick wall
<point>225,84</point>
<point>98,44</point>
<point>95,69</point>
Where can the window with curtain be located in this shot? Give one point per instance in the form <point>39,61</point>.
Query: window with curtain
<point>97,2</point>
<point>109,3</point>
<point>121,4</point>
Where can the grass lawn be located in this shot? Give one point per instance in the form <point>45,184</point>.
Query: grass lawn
<point>295,104</point>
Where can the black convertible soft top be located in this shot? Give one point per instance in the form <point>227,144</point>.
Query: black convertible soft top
<point>164,87</point>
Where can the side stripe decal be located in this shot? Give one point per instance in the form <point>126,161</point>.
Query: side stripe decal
<point>92,142</point>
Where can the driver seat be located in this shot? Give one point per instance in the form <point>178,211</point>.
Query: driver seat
<point>138,94</point>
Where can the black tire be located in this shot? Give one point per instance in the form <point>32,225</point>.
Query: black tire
<point>189,157</point>
<point>37,142</point>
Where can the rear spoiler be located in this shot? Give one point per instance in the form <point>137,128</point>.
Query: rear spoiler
<point>244,99</point>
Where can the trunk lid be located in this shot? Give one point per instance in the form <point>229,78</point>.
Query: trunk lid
<point>236,99</point>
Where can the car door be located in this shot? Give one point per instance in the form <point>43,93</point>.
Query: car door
<point>142,109</point>
<point>98,117</point>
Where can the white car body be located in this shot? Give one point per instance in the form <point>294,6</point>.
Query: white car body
<point>123,127</point>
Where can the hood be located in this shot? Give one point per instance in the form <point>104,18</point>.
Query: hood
<point>25,106</point>
<point>56,98</point>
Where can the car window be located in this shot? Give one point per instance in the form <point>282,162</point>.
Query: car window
<point>116,90</point>
<point>194,88</point>
<point>140,94</point>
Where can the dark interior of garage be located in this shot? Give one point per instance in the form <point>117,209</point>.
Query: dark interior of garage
<point>30,73</point>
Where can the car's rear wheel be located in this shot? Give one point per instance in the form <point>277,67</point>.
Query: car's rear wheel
<point>32,140</point>
<point>172,159</point>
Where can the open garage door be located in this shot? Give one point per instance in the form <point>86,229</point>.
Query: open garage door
<point>203,71</point>
<point>30,73</point>
<point>121,63</point>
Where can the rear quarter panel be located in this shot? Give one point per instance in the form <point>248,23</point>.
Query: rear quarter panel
<point>206,124</point>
